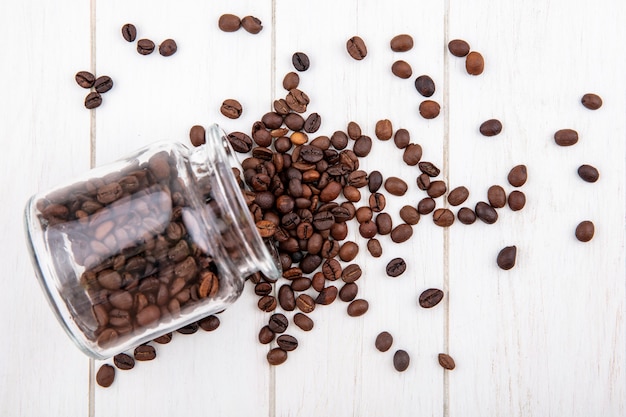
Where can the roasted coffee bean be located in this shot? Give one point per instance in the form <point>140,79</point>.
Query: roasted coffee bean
<point>401,43</point>
<point>384,223</point>
<point>409,215</point>
<point>446,361</point>
<point>430,298</point>
<point>312,123</point>
<point>401,233</point>
<point>429,109</point>
<point>591,101</point>
<point>362,146</point>
<point>425,85</point>
<point>429,168</point>
<point>105,376</point>
<point>266,335</point>
<point>356,48</point>
<point>251,24</point>
<point>458,48</point>
<point>278,323</point>
<point>588,173</point>
<point>123,361</point>
<point>305,303</point>
<point>129,32</point>
<point>348,292</point>
<point>287,342</point>
<point>585,231</point>
<point>301,284</point>
<point>297,100</point>
<point>210,323</point>
<point>303,321</point>
<point>518,176</point>
<point>267,303</point>
<point>339,140</point>
<point>164,340</point>
<point>240,142</point>
<point>396,267</point>
<point>383,342</point>
<point>496,196</point>
<point>145,46</point>
<point>191,328</point>
<point>374,181</point>
<point>485,212</point>
<point>349,251</point>
<point>300,61</point>
<point>402,138</point>
<point>197,135</point>
<point>231,108</point>
<point>311,154</point>
<point>272,120</point>
<point>474,63</point>
<point>327,295</point>
<point>384,129</point>
<point>276,356</point>
<point>323,220</point>
<point>466,215</point>
<point>330,249</point>
<point>423,181</point>
<point>401,69</point>
<point>168,47</point>
<point>506,257</point>
<point>426,206</point>
<point>229,22</point>
<point>364,214</point>
<point>566,137</point>
<point>358,307</point>
<point>93,100</point>
<point>85,79</point>
<point>396,186</point>
<point>368,229</point>
<point>351,273</point>
<point>354,130</point>
<point>443,217</point>
<point>377,202</point>
<point>291,81</point>
<point>144,353</point>
<point>436,189</point>
<point>263,288</point>
<point>517,200</point>
<point>351,193</point>
<point>331,269</point>
<point>401,360</point>
<point>458,196</point>
<point>412,154</point>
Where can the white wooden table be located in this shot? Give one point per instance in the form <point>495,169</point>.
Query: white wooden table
<point>546,338</point>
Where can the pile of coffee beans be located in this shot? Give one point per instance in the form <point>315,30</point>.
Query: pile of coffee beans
<point>98,86</point>
<point>146,46</point>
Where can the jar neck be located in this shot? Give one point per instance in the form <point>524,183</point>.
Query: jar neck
<point>231,230</point>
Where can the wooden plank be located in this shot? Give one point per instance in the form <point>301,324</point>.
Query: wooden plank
<point>45,133</point>
<point>547,337</point>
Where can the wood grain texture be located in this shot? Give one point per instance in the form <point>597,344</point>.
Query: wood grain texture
<point>546,338</point>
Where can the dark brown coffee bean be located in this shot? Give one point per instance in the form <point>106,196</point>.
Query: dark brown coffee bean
<point>291,81</point>
<point>303,321</point>
<point>425,85</point>
<point>384,223</point>
<point>362,146</point>
<point>164,340</point>
<point>443,217</point>
<point>351,273</point>
<point>518,176</point>
<point>266,335</point>
<point>429,109</point>
<point>466,215</point>
<point>409,215</point>
<point>267,303</point>
<point>301,284</point>
<point>374,181</point>
<point>358,307</point>
<point>396,267</point>
<point>312,123</point>
<point>330,249</point>
<point>85,79</point>
<point>339,140</point>
<point>585,231</point>
<point>356,48</point>
<point>105,376</point>
<point>124,361</point>
<point>436,189</point>
<point>210,323</point>
<point>401,69</point>
<point>93,100</point>
<point>383,342</point>
<point>566,137</point>
<point>229,22</point>
<point>486,213</point>
<point>474,63</point>
<point>401,360</point>
<point>402,138</point>
<point>241,142</point>
<point>496,196</point>
<point>145,46</point>
<point>458,48</point>
<point>251,24</point>
<point>297,100</point>
<point>327,295</point>
<point>331,269</point>
<point>351,193</point>
<point>349,251</point>
<point>446,361</point>
<point>168,47</point>
<point>231,109</point>
<point>506,257</point>
<point>423,181</point>
<point>191,328</point>
<point>384,129</point>
<point>278,323</point>
<point>396,186</point>
<point>377,202</point>
<point>144,353</point>
<point>429,169</point>
<point>197,135</point>
<point>129,32</point>
<point>300,61</point>
<point>305,303</point>
<point>286,298</point>
<point>276,356</point>
<point>426,206</point>
<point>401,233</point>
<point>588,173</point>
<point>272,120</point>
<point>348,292</point>
<point>517,200</point>
<point>490,127</point>
<point>591,101</point>
<point>374,248</point>
<point>287,342</point>
<point>430,298</point>
<point>458,196</point>
<point>401,43</point>
<point>354,130</point>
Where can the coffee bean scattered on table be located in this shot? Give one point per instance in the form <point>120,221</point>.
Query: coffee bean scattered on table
<point>396,267</point>
<point>124,361</point>
<point>401,43</point>
<point>458,48</point>
<point>85,79</point>
<point>145,46</point>
<point>429,109</point>
<point>585,231</point>
<point>229,22</point>
<point>129,32</point>
<point>591,101</point>
<point>231,108</point>
<point>430,297</point>
<point>300,61</point>
<point>251,24</point>
<point>401,69</point>
<point>103,84</point>
<point>491,127</point>
<point>446,361</point>
<point>506,258</point>
<point>383,342</point>
<point>401,360</point>
<point>105,375</point>
<point>566,137</point>
<point>425,85</point>
<point>518,175</point>
<point>474,63</point>
<point>588,173</point>
<point>168,47</point>
<point>356,48</point>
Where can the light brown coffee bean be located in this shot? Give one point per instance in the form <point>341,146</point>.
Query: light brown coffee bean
<point>412,154</point>
<point>458,196</point>
<point>229,22</point>
<point>409,215</point>
<point>401,233</point>
<point>436,189</point>
<point>303,321</point>
<point>358,307</point>
<point>396,186</point>
<point>443,217</point>
<point>251,24</point>
<point>401,43</point>
<point>197,135</point>
<point>374,248</point>
<point>446,361</point>
<point>474,63</point>
<point>429,109</point>
<point>231,108</point>
<point>356,48</point>
<point>384,129</point>
<point>401,69</point>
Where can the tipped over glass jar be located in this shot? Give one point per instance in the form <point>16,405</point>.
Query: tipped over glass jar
<point>146,245</point>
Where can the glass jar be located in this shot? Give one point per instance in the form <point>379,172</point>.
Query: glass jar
<point>146,245</point>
